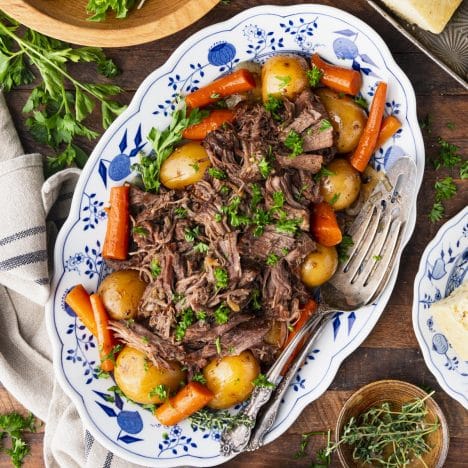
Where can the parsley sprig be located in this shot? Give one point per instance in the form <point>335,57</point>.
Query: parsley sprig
<point>314,75</point>
<point>99,8</point>
<point>163,142</point>
<point>57,114</point>
<point>444,190</point>
<point>295,143</point>
<point>14,425</point>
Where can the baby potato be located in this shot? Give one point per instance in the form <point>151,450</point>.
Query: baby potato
<point>121,292</point>
<point>283,75</point>
<point>343,186</point>
<point>185,166</point>
<point>137,377</point>
<point>230,379</point>
<point>347,117</point>
<point>319,266</point>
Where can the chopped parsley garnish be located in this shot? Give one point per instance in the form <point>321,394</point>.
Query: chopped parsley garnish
<point>216,173</point>
<point>195,166</point>
<point>14,425</point>
<point>325,125</point>
<point>221,277</point>
<point>278,200</point>
<point>273,105</point>
<point>444,190</point>
<point>288,226</point>
<point>224,190</point>
<point>377,258</point>
<point>264,166</point>
<point>426,123</point>
<point>448,156</point>
<point>343,246</point>
<point>295,143</point>
<point>256,195</point>
<point>155,268</point>
<point>199,377</point>
<point>218,345</point>
<point>145,339</point>
<point>160,391</point>
<point>215,95</point>
<point>218,217</point>
<point>140,230</point>
<point>451,125</point>
<point>221,314</point>
<point>262,381</point>
<point>284,81</point>
<point>260,219</point>
<point>181,212</point>
<point>187,318</point>
<point>272,259</point>
<point>314,75</point>
<point>464,170</point>
<point>201,315</point>
<point>335,198</point>
<point>191,234</point>
<point>201,247</point>
<point>232,211</point>
<point>361,101</point>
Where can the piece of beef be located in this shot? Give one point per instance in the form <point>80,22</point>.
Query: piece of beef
<point>159,350</point>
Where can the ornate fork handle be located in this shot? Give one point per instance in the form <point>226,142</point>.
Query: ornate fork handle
<point>236,439</point>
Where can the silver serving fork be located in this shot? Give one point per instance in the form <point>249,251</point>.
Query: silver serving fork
<point>378,234</point>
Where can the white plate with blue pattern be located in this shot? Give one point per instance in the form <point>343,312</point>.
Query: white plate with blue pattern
<point>443,267</point>
<point>124,428</point>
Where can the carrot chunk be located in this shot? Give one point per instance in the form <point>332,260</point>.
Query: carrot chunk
<point>390,125</point>
<point>118,224</point>
<point>78,299</point>
<point>208,124</point>
<point>190,399</point>
<point>343,80</point>
<point>324,225</point>
<point>238,82</point>
<point>105,338</point>
<point>368,141</point>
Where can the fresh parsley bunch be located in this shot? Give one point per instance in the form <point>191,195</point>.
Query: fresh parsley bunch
<point>13,425</point>
<point>99,8</point>
<point>59,105</point>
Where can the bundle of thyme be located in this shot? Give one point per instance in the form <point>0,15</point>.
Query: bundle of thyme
<point>382,436</point>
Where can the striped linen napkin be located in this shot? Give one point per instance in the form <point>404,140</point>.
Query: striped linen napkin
<point>31,211</point>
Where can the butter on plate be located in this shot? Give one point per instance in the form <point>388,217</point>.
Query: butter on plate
<point>451,318</point>
<point>431,15</point>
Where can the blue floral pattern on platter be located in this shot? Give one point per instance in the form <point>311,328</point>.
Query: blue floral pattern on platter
<point>443,268</point>
<point>125,428</point>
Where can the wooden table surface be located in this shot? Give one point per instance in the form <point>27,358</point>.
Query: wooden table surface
<point>391,351</point>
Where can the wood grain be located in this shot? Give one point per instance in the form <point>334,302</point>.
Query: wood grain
<point>157,19</point>
<point>391,350</point>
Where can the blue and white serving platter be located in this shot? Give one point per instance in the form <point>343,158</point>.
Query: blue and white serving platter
<point>443,268</point>
<point>124,428</point>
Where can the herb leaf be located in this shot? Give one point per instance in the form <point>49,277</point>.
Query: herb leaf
<point>14,425</point>
<point>294,142</point>
<point>262,381</point>
<point>314,75</point>
<point>99,8</point>
<point>60,103</point>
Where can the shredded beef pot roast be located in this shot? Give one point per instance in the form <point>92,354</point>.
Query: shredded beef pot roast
<point>222,258</point>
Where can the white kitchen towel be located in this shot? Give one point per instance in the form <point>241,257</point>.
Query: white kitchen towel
<point>25,351</point>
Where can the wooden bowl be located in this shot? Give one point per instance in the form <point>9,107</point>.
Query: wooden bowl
<point>68,20</point>
<point>395,392</point>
